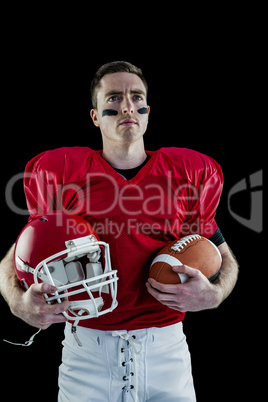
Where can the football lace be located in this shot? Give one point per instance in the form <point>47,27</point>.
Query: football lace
<point>184,241</point>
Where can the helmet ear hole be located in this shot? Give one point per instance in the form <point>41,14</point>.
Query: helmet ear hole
<point>74,271</point>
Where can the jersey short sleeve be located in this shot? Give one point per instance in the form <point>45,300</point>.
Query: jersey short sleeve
<point>50,176</point>
<point>198,185</point>
<point>204,196</point>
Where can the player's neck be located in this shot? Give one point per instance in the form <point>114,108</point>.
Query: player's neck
<point>124,156</point>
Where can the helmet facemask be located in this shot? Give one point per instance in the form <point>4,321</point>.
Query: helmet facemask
<point>76,270</point>
<point>65,251</point>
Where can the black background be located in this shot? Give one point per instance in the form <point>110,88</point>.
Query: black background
<point>205,88</point>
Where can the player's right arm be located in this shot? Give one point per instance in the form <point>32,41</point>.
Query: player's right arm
<point>28,305</point>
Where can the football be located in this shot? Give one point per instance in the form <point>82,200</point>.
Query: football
<point>193,250</point>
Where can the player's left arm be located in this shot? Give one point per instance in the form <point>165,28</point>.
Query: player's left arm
<point>198,293</point>
<point>228,275</point>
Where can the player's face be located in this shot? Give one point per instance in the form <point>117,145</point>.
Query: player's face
<point>122,112</point>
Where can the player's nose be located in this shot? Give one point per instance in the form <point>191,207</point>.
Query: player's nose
<point>127,106</point>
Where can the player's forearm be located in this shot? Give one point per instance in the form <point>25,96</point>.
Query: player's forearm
<point>228,274</point>
<point>10,287</point>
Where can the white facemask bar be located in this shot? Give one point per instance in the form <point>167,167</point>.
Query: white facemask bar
<point>112,282</point>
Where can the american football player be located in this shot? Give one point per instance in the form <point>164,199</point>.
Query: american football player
<point>137,201</point>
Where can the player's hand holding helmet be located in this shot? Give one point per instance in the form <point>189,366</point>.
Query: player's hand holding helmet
<point>65,251</point>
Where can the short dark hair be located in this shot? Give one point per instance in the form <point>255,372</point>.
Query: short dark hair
<point>111,68</point>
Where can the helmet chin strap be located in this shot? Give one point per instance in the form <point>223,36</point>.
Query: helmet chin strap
<point>88,307</point>
<point>73,330</point>
<point>27,343</point>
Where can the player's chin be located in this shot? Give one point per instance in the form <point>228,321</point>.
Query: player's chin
<point>131,133</point>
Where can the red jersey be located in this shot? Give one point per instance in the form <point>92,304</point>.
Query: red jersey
<point>175,194</point>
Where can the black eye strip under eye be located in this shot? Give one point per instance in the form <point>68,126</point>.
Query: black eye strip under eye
<point>111,112</point>
<point>143,110</point>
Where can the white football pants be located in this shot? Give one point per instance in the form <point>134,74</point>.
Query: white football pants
<point>147,365</point>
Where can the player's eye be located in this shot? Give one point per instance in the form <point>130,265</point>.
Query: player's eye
<point>137,98</point>
<point>114,98</point>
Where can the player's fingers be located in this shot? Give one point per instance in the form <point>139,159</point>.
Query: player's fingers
<point>175,306</point>
<point>57,318</point>
<point>49,319</point>
<point>52,314</point>
<point>41,288</point>
<point>186,270</point>
<point>163,288</point>
<point>59,308</point>
<point>158,294</point>
<point>154,292</point>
